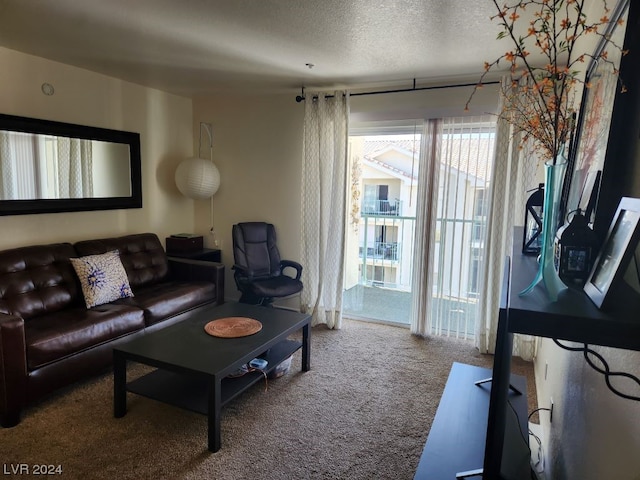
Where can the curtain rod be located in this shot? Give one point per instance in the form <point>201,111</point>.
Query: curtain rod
<point>300,98</point>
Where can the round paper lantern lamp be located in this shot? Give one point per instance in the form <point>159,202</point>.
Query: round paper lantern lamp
<point>197,178</point>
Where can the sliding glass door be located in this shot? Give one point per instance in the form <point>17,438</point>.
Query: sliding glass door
<point>381,225</point>
<point>382,221</point>
<point>466,160</point>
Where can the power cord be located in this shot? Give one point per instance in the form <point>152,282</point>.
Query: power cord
<point>605,370</point>
<point>536,411</point>
<point>539,465</point>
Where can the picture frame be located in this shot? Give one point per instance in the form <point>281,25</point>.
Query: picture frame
<point>588,147</point>
<point>616,252</point>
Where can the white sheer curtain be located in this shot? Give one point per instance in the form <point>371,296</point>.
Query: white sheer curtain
<point>426,212</point>
<point>75,164</point>
<point>514,173</point>
<point>19,166</point>
<point>7,168</point>
<point>324,175</point>
<point>35,166</point>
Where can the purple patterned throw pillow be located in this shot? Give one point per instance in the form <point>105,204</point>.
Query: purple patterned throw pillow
<point>102,277</point>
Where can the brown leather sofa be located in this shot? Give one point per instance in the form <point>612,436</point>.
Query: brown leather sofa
<point>48,338</point>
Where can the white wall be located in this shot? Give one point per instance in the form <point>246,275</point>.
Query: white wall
<point>164,122</point>
<point>258,150</point>
<point>111,167</point>
<point>422,104</point>
<point>595,435</point>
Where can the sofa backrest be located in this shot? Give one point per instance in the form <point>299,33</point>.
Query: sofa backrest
<point>142,255</point>
<point>37,279</point>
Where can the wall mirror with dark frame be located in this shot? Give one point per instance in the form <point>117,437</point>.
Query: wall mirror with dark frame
<point>595,132</point>
<point>48,167</point>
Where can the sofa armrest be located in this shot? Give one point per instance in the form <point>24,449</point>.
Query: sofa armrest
<point>13,369</point>
<point>199,270</point>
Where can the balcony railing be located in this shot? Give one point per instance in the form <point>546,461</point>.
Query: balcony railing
<point>382,250</point>
<point>382,207</point>
<point>386,258</point>
<point>388,264</point>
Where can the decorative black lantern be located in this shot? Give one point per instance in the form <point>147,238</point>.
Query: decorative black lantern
<point>576,247</point>
<point>532,236</point>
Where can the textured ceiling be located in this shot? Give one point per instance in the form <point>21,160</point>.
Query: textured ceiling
<point>192,47</point>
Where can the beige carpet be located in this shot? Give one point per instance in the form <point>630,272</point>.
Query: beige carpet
<point>362,412</point>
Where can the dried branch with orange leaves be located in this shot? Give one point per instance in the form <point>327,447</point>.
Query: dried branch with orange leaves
<point>539,101</point>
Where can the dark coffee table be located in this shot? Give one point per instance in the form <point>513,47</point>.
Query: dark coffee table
<point>193,367</point>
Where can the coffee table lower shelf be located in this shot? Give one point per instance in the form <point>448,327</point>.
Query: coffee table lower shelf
<point>191,391</point>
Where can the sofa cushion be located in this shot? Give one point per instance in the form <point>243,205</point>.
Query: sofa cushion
<point>37,280</point>
<point>102,277</point>
<point>142,255</point>
<point>164,300</point>
<point>51,337</point>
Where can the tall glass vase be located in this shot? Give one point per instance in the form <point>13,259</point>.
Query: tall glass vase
<point>547,274</point>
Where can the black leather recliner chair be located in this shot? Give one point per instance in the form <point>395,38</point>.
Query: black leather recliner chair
<point>258,270</point>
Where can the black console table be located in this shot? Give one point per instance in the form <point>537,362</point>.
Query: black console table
<point>573,317</point>
<point>456,441</point>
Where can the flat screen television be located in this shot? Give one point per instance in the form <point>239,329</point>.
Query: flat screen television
<point>507,455</point>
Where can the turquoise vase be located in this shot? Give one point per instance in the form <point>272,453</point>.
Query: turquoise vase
<point>547,273</point>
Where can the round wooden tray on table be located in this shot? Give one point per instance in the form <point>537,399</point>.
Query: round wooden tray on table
<point>233,327</point>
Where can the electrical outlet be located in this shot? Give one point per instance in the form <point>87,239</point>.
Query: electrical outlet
<point>551,412</point>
